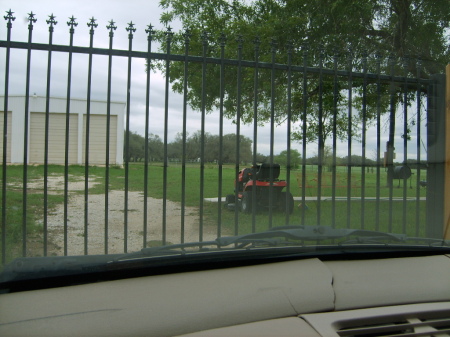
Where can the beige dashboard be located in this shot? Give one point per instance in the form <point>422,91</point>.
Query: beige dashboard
<point>295,298</point>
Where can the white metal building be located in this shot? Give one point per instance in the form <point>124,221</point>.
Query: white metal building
<point>57,130</point>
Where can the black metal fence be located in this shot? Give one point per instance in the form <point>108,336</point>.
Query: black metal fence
<point>361,141</point>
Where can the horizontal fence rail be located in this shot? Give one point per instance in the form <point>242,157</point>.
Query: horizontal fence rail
<point>210,60</point>
<point>345,142</point>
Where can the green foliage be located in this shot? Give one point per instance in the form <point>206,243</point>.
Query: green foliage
<point>193,148</point>
<point>211,147</point>
<point>393,33</point>
<point>135,148</point>
<point>295,158</point>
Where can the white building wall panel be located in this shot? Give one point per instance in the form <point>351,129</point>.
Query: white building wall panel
<point>56,138</point>
<point>78,107</point>
<point>97,140</point>
<point>8,145</point>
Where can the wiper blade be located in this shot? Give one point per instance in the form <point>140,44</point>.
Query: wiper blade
<point>278,236</point>
<point>166,250</point>
<point>310,233</point>
<point>287,236</point>
<point>430,242</point>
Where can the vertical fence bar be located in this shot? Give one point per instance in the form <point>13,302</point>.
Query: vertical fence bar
<point>378,143</point>
<point>9,17</point>
<point>349,137</point>
<point>390,144</point>
<point>71,23</point>
<point>335,112</point>
<point>111,27</point>
<point>150,33</point>
<point>396,94</point>
<point>304,126</point>
<point>91,24</point>
<point>446,210</point>
<point>130,29</point>
<point>31,21</point>
<point>405,139</point>
<point>202,132</point>
<point>169,35</point>
<point>320,144</point>
<point>240,41</point>
<point>273,46</point>
<point>221,111</point>
<point>288,200</point>
<point>187,37</point>
<point>257,43</point>
<point>52,22</point>
<point>363,142</point>
<point>418,142</point>
<point>436,150</point>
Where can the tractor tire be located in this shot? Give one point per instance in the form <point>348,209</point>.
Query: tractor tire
<point>246,202</point>
<point>230,199</point>
<point>286,205</point>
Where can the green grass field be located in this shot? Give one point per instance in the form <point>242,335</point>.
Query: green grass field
<point>398,216</point>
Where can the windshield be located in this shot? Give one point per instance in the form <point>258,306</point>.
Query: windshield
<point>251,128</point>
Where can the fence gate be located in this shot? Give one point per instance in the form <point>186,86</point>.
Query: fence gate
<point>360,141</point>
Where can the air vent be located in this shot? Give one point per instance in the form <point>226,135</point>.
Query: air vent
<point>433,324</point>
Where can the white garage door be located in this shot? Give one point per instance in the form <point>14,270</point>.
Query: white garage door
<point>8,145</point>
<point>97,140</point>
<point>56,140</point>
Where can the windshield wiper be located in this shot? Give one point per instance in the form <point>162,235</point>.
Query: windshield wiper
<point>295,237</point>
<point>282,236</point>
<point>310,233</point>
<point>322,233</point>
<point>167,250</point>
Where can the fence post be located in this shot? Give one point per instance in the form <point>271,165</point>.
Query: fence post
<point>436,138</point>
<point>447,156</point>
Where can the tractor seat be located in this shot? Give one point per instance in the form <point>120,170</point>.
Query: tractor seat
<point>263,171</point>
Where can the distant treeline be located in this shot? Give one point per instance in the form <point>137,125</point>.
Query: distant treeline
<point>191,147</point>
<point>357,161</point>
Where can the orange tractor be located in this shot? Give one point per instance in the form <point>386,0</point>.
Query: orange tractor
<point>269,194</point>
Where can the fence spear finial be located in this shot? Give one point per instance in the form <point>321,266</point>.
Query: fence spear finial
<point>150,31</point>
<point>205,37</point>
<point>187,35</point>
<point>131,29</point>
<point>9,16</point>
<point>51,21</point>
<point>31,19</point>
<point>273,44</point>
<point>112,27</point>
<point>289,46</point>
<point>257,41</point>
<point>169,34</point>
<point>222,39</point>
<point>92,23</point>
<point>72,23</point>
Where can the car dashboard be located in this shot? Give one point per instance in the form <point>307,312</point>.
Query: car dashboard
<point>402,296</point>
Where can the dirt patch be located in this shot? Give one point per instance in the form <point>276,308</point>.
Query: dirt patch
<point>115,230</point>
<point>55,184</point>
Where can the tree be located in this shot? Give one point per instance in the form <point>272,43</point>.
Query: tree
<point>400,29</point>
<point>261,158</point>
<point>229,149</point>
<point>193,147</point>
<point>155,148</point>
<point>135,149</point>
<point>295,159</point>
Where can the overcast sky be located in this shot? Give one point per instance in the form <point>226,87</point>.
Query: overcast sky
<point>141,13</point>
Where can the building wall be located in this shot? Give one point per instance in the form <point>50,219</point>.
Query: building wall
<point>77,134</point>
<point>8,146</point>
